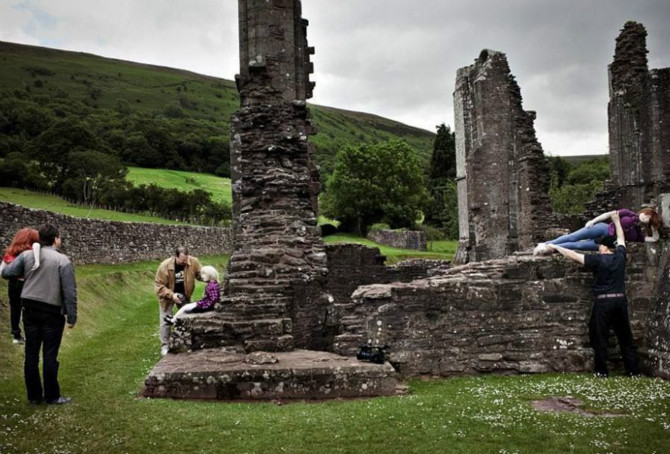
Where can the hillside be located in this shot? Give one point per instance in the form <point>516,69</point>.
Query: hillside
<point>118,99</point>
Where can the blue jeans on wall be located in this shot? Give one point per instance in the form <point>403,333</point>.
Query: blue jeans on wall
<point>582,239</point>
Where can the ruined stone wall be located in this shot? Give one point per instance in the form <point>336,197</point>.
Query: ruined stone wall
<point>638,114</point>
<point>657,341</point>
<point>521,314</point>
<point>502,177</point>
<point>402,239</point>
<point>274,293</point>
<point>93,241</point>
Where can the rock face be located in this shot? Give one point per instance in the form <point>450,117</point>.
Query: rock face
<point>278,265</point>
<point>502,177</point>
<point>521,314</point>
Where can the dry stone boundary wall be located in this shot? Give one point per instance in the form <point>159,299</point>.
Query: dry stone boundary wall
<point>88,241</point>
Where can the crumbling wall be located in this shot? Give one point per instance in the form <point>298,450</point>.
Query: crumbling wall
<point>501,173</point>
<point>88,241</point>
<point>402,239</point>
<point>638,115</point>
<point>273,294</point>
<point>521,314</point>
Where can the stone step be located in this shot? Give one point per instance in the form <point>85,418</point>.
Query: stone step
<point>217,374</point>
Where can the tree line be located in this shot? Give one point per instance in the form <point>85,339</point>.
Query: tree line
<point>66,147</point>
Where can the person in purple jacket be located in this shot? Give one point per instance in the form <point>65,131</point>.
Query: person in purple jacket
<point>209,298</point>
<point>638,227</point>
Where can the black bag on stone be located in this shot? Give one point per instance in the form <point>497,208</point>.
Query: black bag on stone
<point>373,354</point>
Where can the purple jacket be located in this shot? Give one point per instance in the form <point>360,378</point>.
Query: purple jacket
<point>210,297</point>
<point>630,223</point>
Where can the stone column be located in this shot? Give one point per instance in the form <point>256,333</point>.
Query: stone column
<point>273,287</point>
<point>501,173</point>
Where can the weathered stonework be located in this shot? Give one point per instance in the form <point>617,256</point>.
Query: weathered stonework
<point>521,314</point>
<point>274,287</point>
<point>88,241</point>
<point>639,138</point>
<point>402,239</point>
<point>502,176</point>
<point>300,374</point>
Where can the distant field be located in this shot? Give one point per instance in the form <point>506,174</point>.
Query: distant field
<point>438,250</point>
<point>49,202</point>
<point>218,187</point>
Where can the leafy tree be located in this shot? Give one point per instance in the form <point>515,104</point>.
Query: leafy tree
<point>443,159</point>
<point>559,168</point>
<point>578,185</point>
<point>90,173</point>
<point>375,183</point>
<point>442,211</point>
<point>51,149</point>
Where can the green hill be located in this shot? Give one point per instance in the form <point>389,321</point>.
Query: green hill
<point>153,116</point>
<point>218,187</point>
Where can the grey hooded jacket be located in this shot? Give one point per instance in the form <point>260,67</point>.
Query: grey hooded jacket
<point>52,283</point>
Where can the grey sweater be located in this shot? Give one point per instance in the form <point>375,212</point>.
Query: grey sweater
<point>52,283</point>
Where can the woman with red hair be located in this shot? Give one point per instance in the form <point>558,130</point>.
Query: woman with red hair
<point>642,227</point>
<point>25,239</point>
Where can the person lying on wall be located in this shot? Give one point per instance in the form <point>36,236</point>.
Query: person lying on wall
<point>610,306</point>
<point>643,226</point>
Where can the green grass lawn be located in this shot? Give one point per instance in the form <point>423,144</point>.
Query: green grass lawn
<point>56,204</point>
<point>106,357</point>
<point>218,187</point>
<point>438,250</point>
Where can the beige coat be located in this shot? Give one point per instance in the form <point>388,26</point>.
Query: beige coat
<point>165,280</point>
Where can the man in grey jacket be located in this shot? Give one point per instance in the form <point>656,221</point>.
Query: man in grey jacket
<point>49,297</point>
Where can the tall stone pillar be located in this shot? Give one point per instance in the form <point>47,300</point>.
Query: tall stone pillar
<point>273,287</point>
<point>502,177</point>
<point>638,119</point>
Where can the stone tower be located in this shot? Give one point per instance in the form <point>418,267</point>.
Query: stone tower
<point>639,138</point>
<point>502,178</point>
<point>639,115</point>
<point>273,288</point>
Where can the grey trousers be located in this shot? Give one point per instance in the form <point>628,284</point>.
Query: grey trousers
<point>164,330</point>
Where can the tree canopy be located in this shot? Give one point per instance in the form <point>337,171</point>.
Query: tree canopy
<point>374,183</point>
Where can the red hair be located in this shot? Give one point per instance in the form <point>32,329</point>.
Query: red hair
<point>655,219</point>
<point>22,241</point>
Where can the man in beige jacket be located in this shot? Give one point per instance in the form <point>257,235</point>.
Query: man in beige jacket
<point>174,284</point>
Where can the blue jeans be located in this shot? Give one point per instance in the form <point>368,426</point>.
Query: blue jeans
<point>582,239</point>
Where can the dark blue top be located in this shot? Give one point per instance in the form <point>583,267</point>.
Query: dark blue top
<point>609,271</point>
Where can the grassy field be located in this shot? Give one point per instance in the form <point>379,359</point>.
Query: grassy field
<point>218,187</point>
<point>438,250</point>
<point>106,357</point>
<point>56,204</point>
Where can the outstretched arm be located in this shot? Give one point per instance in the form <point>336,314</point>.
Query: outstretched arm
<point>603,217</point>
<point>569,253</point>
<point>654,236</point>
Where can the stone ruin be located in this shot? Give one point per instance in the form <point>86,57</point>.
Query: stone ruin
<point>276,242</point>
<point>294,313</point>
<point>502,178</point>
<point>639,138</point>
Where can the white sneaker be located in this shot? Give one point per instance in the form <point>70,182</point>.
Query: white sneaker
<point>18,341</point>
<point>540,249</point>
<point>164,350</point>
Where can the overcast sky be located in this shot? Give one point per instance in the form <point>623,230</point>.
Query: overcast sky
<point>394,58</point>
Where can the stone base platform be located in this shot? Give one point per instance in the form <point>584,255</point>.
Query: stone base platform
<point>299,374</point>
